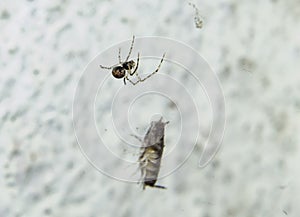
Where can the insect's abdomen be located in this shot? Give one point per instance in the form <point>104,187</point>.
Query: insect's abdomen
<point>152,150</point>
<point>150,163</point>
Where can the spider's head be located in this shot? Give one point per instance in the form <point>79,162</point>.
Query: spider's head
<point>118,72</point>
<point>128,65</point>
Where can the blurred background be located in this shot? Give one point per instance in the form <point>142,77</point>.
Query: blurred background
<point>252,46</point>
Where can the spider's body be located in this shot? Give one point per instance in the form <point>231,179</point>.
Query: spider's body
<point>120,70</point>
<point>129,67</point>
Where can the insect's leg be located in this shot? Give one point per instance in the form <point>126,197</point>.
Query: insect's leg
<point>119,56</point>
<point>138,138</point>
<point>124,80</point>
<point>135,172</point>
<point>162,59</point>
<point>142,168</point>
<point>132,42</point>
<point>143,172</point>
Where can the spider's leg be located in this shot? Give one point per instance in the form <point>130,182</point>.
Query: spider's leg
<point>119,56</point>
<point>162,59</point>
<point>132,73</point>
<point>124,80</point>
<point>132,82</point>
<point>137,65</point>
<point>132,42</point>
<point>106,67</point>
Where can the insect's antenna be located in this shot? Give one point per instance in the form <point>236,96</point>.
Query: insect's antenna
<point>131,47</point>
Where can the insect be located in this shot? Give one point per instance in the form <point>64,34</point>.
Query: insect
<point>127,68</point>
<point>151,153</point>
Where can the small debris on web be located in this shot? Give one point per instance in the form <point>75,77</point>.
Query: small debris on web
<point>198,19</point>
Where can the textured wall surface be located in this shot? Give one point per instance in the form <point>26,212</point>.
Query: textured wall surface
<point>253,47</point>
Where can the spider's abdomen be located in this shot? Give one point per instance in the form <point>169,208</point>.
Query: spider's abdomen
<point>118,72</point>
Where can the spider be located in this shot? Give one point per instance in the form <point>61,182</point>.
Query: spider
<point>128,67</point>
